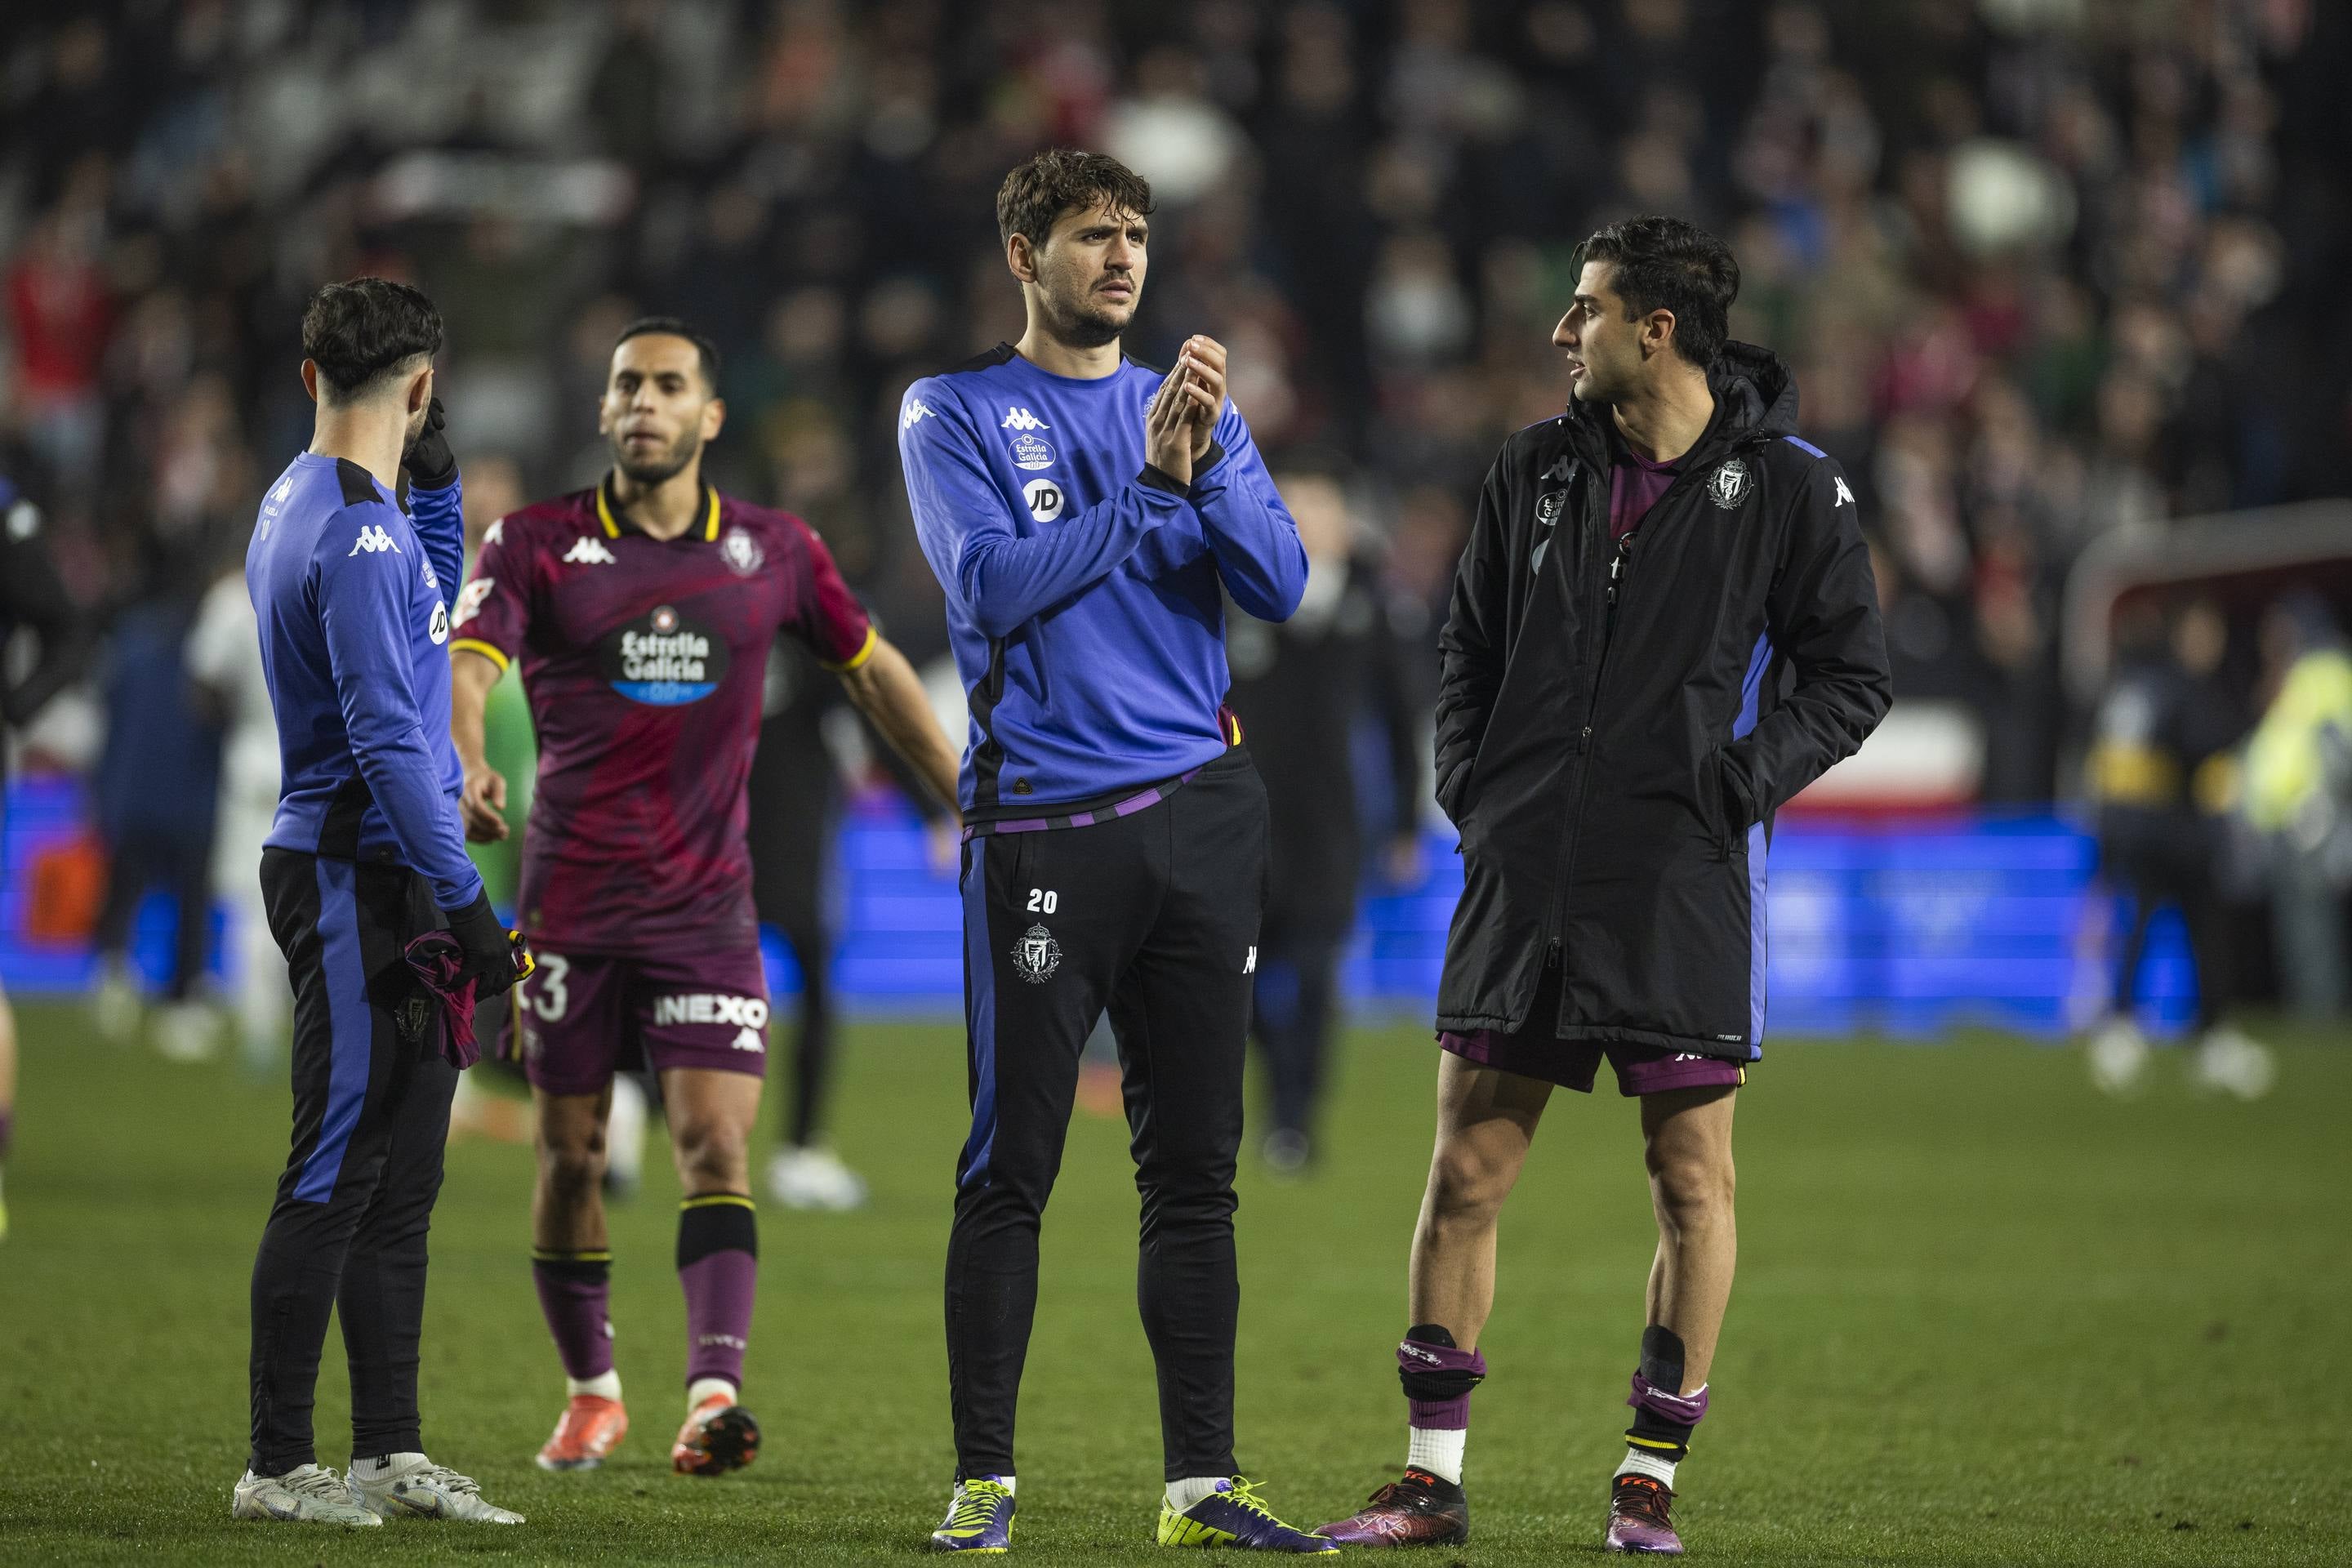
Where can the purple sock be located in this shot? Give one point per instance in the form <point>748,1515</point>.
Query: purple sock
<point>1438,1378</point>
<point>575,1291</point>
<point>718,1265</point>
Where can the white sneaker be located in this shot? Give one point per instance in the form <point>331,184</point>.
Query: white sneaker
<point>416,1488</point>
<point>814,1179</point>
<point>2230,1063</point>
<point>187,1032</point>
<point>308,1494</point>
<point>2118,1057</point>
<point>116,1006</point>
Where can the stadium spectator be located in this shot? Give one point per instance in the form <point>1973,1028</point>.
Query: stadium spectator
<point>2299,795</point>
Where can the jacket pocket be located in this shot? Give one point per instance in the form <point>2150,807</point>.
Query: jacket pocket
<point>1718,800</point>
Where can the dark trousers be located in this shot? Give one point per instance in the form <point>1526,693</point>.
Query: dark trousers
<point>138,859</point>
<point>2154,860</point>
<point>371,1116</point>
<point>813,1047</point>
<point>1298,993</point>
<point>1153,916</point>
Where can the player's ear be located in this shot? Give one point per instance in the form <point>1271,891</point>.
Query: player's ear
<point>311,379</point>
<point>714,418</point>
<point>420,390</point>
<point>1021,257</point>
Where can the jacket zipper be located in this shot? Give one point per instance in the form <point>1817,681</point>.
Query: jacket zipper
<point>1566,875</point>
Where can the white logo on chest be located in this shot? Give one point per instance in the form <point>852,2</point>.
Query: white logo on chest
<point>590,551</point>
<point>1022,419</point>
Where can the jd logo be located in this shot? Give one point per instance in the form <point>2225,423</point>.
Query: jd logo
<point>1044,498</point>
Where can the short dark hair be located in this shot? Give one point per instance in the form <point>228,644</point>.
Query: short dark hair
<point>359,333</point>
<point>1061,180</point>
<point>1667,264</point>
<point>674,327</point>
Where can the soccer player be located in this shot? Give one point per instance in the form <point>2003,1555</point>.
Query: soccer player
<point>366,855</point>
<point>1081,512</point>
<point>1664,626</point>
<point>642,611</point>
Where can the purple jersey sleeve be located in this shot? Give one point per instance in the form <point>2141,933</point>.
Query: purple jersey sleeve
<point>831,621</point>
<point>493,611</point>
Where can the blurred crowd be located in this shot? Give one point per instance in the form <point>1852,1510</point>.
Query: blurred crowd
<point>2047,271</point>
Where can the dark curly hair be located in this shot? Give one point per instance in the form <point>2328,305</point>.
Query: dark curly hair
<point>358,334</point>
<point>1062,180</point>
<point>1667,264</point>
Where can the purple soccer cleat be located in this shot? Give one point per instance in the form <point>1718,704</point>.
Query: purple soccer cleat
<point>1637,1518</point>
<point>1421,1510</point>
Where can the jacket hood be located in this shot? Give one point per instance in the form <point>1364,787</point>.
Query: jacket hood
<point>1753,391</point>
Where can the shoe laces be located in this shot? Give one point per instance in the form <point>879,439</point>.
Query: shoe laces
<point>1644,1498</point>
<point>314,1481</point>
<point>1245,1496</point>
<point>975,1504</point>
<point>448,1479</point>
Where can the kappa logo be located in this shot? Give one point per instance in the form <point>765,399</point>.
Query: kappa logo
<point>470,599</point>
<point>374,541</point>
<point>1844,497</point>
<point>1022,419</point>
<point>590,551</point>
<point>713,1007</point>
<point>1728,487</point>
<point>915,411</point>
<point>1036,956</point>
<point>1249,964</point>
<point>750,1039</point>
<point>496,533</point>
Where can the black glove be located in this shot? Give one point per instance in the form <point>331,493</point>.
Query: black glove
<point>494,956</point>
<point>430,463</point>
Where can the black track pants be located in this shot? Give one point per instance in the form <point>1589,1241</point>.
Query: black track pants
<point>370,1117</point>
<point>1153,916</point>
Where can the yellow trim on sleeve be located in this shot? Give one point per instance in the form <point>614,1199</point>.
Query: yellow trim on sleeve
<point>865,651</point>
<point>712,1200</point>
<point>604,514</point>
<point>475,645</point>
<point>711,528</point>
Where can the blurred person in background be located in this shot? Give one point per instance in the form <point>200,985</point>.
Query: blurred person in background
<point>33,600</point>
<point>2161,774</point>
<point>2298,794</point>
<point>157,780</point>
<point>1300,688</point>
<point>642,611</point>
<point>796,797</point>
<point>232,696</point>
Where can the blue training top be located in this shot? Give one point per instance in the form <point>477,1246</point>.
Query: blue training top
<point>355,635</point>
<point>1082,584</point>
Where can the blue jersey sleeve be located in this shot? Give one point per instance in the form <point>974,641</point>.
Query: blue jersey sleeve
<point>365,603</point>
<point>1250,532</point>
<point>966,531</point>
<point>439,517</point>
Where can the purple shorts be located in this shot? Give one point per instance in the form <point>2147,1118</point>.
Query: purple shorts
<point>577,1021</point>
<point>1535,1053</point>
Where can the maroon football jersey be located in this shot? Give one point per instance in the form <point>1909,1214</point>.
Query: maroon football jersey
<point>642,659</point>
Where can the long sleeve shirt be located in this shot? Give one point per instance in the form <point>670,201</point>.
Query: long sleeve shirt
<point>348,593</point>
<point>1083,587</point>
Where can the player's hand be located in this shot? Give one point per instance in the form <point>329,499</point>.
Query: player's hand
<point>495,956</point>
<point>1166,429</point>
<point>430,463</point>
<point>1204,390</point>
<point>482,804</point>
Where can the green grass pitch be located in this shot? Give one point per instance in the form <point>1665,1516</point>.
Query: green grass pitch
<point>1983,1316</point>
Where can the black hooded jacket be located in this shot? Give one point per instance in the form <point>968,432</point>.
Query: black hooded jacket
<point>1616,725</point>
